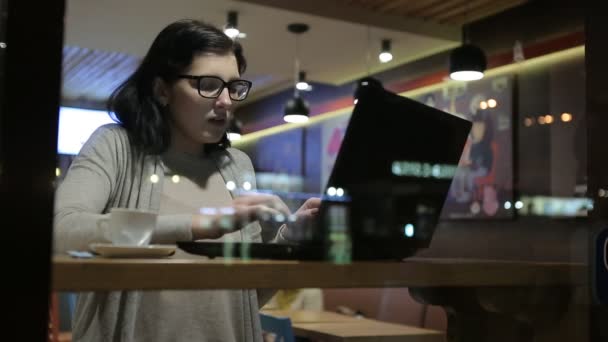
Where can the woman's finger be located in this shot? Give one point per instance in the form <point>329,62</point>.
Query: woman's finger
<point>270,201</point>
<point>311,203</point>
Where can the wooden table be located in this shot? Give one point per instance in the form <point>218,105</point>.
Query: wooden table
<point>329,327</point>
<point>485,300</point>
<point>195,272</point>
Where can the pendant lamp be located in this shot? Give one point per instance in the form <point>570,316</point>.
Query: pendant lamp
<point>296,109</point>
<point>468,61</point>
<point>231,28</point>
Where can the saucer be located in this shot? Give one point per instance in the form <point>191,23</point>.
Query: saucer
<point>123,251</point>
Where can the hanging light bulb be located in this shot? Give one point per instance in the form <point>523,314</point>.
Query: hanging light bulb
<point>302,84</point>
<point>386,55</point>
<point>231,29</point>
<point>467,62</point>
<point>296,109</point>
<point>234,130</point>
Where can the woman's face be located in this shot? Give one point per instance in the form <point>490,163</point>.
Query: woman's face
<point>196,120</point>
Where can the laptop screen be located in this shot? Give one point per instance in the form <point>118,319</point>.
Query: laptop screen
<point>392,173</point>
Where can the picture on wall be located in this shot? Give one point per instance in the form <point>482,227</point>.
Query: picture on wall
<point>483,184</point>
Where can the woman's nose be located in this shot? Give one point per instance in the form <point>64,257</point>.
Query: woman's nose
<point>224,98</point>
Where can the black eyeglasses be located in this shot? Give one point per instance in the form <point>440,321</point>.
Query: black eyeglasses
<point>211,87</point>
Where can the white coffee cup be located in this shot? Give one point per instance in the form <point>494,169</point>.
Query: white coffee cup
<point>130,227</point>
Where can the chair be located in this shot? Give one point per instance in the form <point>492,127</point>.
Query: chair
<point>55,333</point>
<point>280,327</point>
<point>53,318</point>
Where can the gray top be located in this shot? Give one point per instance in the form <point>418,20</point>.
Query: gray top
<point>107,174</point>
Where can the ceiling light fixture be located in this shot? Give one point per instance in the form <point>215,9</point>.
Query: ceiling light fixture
<point>468,61</point>
<point>231,29</point>
<point>302,84</point>
<point>296,109</point>
<point>385,55</point>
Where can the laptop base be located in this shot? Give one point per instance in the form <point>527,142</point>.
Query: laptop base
<point>304,252</point>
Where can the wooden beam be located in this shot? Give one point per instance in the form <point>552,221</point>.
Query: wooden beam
<point>480,12</point>
<point>354,14</point>
<point>431,11</point>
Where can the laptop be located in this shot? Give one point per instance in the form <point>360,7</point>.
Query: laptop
<point>386,190</point>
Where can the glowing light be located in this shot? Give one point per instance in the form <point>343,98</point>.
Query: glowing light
<point>602,193</point>
<point>546,60</point>
<point>566,117</point>
<point>57,172</point>
<point>541,120</point>
<point>208,211</point>
<point>247,186</point>
<point>528,122</point>
<point>423,170</point>
<point>302,85</point>
<point>332,191</point>
<point>475,208</point>
<point>154,179</point>
<point>227,210</point>
<point>295,118</point>
<point>519,205</point>
<point>355,101</point>
<point>409,230</point>
<point>2,45</point>
<point>466,75</point>
<point>233,136</point>
<point>483,105</point>
<point>339,192</point>
<point>175,179</point>
<point>385,57</point>
<point>492,103</point>
<point>279,218</point>
<point>548,119</point>
<point>232,32</point>
<point>230,185</point>
<point>507,205</point>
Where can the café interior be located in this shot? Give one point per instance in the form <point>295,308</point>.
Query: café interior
<point>511,256</point>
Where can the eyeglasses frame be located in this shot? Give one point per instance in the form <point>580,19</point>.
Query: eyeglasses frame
<point>224,85</point>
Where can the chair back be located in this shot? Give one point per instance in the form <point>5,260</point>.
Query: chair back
<point>53,323</point>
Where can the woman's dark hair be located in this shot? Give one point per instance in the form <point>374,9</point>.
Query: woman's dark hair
<point>134,103</point>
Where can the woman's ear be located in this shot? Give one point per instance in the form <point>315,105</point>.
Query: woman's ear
<point>161,91</point>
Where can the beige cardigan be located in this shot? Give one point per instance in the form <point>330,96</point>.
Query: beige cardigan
<point>107,174</point>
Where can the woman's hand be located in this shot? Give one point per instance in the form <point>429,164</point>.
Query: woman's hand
<point>303,216</point>
<point>309,209</point>
<point>213,223</point>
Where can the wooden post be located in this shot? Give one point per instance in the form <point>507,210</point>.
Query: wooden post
<point>31,76</point>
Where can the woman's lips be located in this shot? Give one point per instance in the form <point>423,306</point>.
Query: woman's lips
<point>218,122</point>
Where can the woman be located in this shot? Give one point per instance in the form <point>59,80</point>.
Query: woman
<point>173,113</point>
